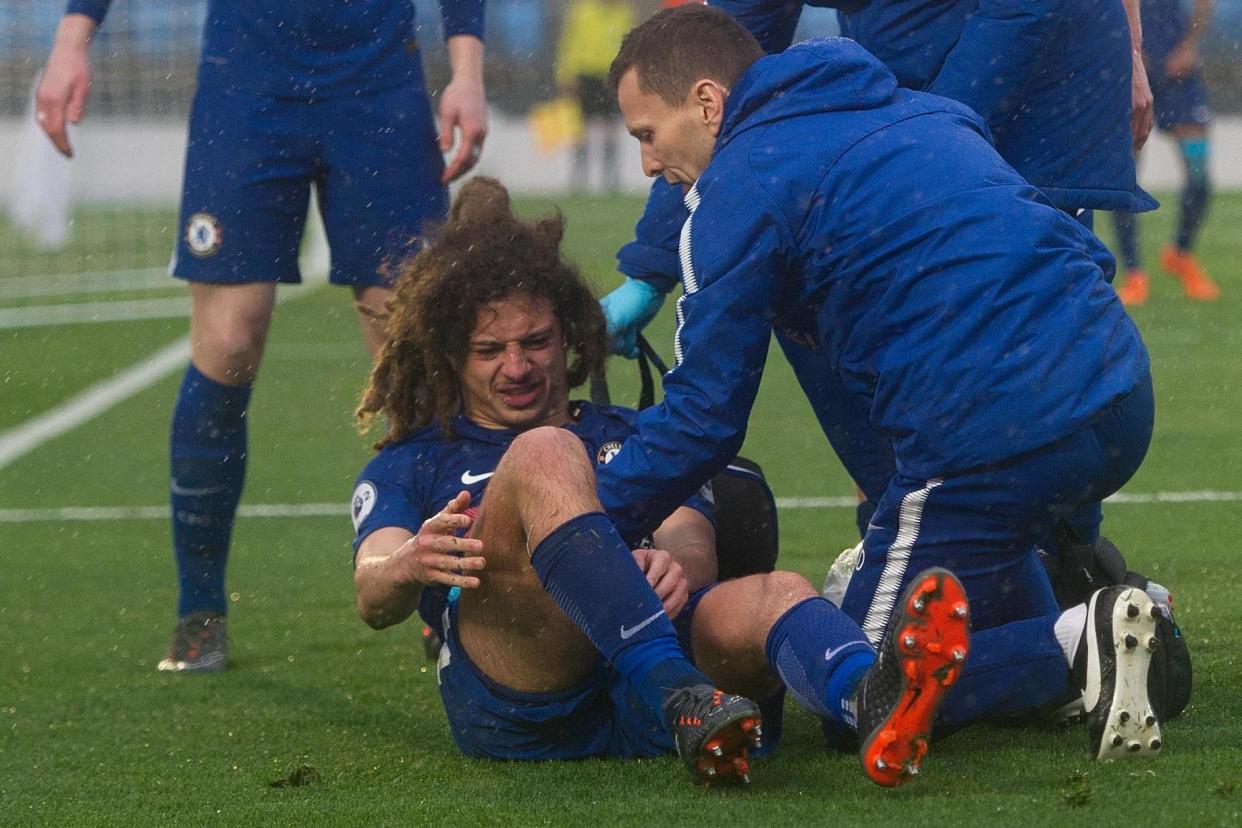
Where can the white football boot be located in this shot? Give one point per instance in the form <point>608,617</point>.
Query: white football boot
<point>1112,666</point>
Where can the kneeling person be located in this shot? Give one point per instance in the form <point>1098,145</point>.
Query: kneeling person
<point>562,642</point>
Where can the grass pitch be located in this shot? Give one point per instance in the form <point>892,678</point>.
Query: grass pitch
<point>323,721</point>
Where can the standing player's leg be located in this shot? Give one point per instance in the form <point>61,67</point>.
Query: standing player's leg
<point>580,163</point>
<point>1134,288</point>
<point>228,328</point>
<point>1179,258</point>
<point>1182,111</point>
<point>370,304</point>
<point>242,212</point>
<point>542,502</point>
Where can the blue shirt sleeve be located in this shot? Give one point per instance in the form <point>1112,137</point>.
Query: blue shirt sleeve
<point>1001,48</point>
<point>384,495</point>
<point>462,17</point>
<point>772,22</point>
<point>652,256</point>
<point>735,248</point>
<point>704,502</point>
<point>94,9</point>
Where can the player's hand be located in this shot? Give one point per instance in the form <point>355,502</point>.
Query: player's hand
<point>627,310</point>
<point>60,98</point>
<point>463,119</point>
<point>437,555</point>
<point>1182,60</point>
<point>1142,111</point>
<point>666,577</point>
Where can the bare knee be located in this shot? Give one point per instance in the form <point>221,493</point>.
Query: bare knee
<point>732,624</point>
<point>765,597</point>
<point>782,589</point>
<point>547,476</point>
<point>228,328</point>
<point>547,441</point>
<point>552,455</point>
<point>230,353</point>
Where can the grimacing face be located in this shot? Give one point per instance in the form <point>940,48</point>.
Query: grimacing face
<point>676,141</point>
<point>514,373</point>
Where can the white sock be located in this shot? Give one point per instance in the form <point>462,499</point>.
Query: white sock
<point>1069,629</point>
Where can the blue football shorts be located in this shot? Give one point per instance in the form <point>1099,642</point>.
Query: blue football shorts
<point>252,160</point>
<point>983,524</point>
<point>601,717</point>
<point>1180,101</point>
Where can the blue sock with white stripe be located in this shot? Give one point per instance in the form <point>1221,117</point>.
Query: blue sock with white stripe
<point>208,459</point>
<point>1197,192</point>
<point>820,655</point>
<point>591,574</point>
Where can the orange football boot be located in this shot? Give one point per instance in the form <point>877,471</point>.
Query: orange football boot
<point>1186,268</point>
<point>922,654</point>
<point>1133,291</point>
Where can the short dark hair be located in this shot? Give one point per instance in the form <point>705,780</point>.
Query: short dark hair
<point>483,253</point>
<point>678,46</point>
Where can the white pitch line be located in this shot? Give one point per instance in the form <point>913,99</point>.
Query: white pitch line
<point>288,510</point>
<point>1122,498</point>
<point>127,310</point>
<point>816,502</point>
<point>111,513</point>
<point>24,438</point>
<point>78,313</point>
<point>92,402</point>
<point>91,281</point>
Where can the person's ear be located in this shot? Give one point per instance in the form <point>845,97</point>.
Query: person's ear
<point>709,99</point>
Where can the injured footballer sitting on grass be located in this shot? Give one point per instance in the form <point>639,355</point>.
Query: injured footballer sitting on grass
<point>560,641</point>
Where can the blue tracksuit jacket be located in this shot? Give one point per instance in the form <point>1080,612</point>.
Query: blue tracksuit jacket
<point>879,228</point>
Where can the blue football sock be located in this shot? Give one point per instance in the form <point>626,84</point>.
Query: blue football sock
<point>820,655</point>
<point>1014,667</point>
<point>1126,225</point>
<point>1197,192</point>
<point>591,574</point>
<point>208,459</point>
<point>772,709</point>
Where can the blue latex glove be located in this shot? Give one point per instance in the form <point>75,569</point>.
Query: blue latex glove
<point>628,309</point>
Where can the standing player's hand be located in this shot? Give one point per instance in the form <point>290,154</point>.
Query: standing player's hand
<point>1142,112</point>
<point>666,577</point>
<point>463,119</point>
<point>66,83</point>
<point>1183,60</point>
<point>437,555</point>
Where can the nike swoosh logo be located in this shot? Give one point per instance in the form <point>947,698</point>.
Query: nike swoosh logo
<point>1095,680</point>
<point>915,693</point>
<point>470,479</point>
<point>831,651</point>
<point>629,632</point>
<point>183,491</point>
